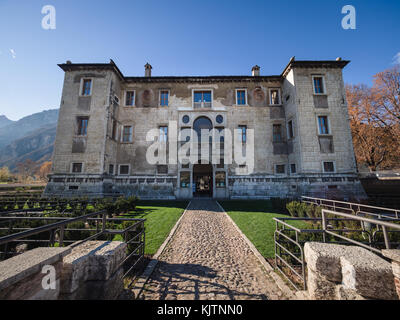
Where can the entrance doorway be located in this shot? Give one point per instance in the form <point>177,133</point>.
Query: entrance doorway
<point>202,180</point>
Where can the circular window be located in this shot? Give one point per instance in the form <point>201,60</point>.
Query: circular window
<point>220,119</point>
<point>185,119</point>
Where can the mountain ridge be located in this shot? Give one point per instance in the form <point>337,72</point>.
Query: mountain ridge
<point>31,137</point>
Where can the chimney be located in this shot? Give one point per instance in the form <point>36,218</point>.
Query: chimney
<point>255,71</point>
<point>147,70</point>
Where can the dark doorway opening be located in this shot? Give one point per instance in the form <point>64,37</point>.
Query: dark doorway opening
<point>203,180</point>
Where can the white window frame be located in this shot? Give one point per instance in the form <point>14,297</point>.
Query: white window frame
<point>123,174</point>
<point>276,171</point>
<point>293,131</point>
<point>72,165</point>
<point>122,133</point>
<point>279,96</point>
<point>81,86</point>
<point>245,97</point>
<point>159,98</point>
<point>329,124</point>
<point>334,166</point>
<point>159,132</point>
<point>134,98</point>
<point>323,84</point>
<point>203,89</point>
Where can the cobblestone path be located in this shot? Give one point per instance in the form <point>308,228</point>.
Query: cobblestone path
<point>208,259</point>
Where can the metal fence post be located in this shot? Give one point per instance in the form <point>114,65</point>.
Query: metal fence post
<point>61,241</point>
<point>386,237</point>
<point>323,224</point>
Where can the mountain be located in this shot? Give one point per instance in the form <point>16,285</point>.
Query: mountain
<point>4,121</point>
<point>31,137</point>
<point>26,126</point>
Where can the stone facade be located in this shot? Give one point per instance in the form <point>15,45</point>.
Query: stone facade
<point>285,165</point>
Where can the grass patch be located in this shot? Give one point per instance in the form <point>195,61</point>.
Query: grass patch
<point>160,217</point>
<point>254,218</point>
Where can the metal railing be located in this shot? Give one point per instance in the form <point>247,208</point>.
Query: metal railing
<point>330,227</point>
<point>355,208</point>
<point>132,234</point>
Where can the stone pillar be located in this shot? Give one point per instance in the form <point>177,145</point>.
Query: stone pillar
<point>394,255</point>
<point>91,271</point>
<point>347,273</point>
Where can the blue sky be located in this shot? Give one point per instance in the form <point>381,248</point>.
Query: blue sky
<point>208,37</point>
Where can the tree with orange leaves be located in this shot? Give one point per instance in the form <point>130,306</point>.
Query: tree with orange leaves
<point>44,170</point>
<point>375,120</point>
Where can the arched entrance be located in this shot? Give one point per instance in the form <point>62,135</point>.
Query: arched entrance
<point>203,180</point>
<point>202,173</point>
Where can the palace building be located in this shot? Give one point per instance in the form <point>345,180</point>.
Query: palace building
<point>297,121</point>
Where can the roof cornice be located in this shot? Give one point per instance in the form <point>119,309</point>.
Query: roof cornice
<point>204,79</point>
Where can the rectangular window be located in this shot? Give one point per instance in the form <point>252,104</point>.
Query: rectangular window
<point>127,134</point>
<point>77,167</point>
<point>86,87</point>
<point>202,99</point>
<point>220,179</point>
<point>277,133</point>
<point>82,126</point>
<point>293,168</point>
<point>290,129</point>
<point>162,169</point>
<point>124,169</point>
<point>164,98</point>
<point>241,97</point>
<point>111,169</point>
<point>130,98</point>
<point>185,179</point>
<point>318,85</point>
<point>280,169</point>
<point>243,133</point>
<point>275,97</point>
<point>114,129</point>
<point>163,134</point>
<point>329,166</point>
<point>323,126</point>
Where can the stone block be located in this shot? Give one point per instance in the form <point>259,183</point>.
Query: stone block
<point>324,259</point>
<point>347,294</point>
<point>25,269</point>
<point>320,288</point>
<point>98,290</point>
<point>367,274</point>
<point>91,261</point>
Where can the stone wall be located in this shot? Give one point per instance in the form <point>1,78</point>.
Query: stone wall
<point>338,272</point>
<point>89,271</point>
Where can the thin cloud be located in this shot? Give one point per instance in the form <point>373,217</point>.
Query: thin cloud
<point>396,58</point>
<point>13,54</point>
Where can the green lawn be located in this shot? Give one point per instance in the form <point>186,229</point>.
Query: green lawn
<point>160,217</point>
<point>254,218</point>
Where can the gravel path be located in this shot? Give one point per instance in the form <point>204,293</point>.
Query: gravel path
<point>208,259</point>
